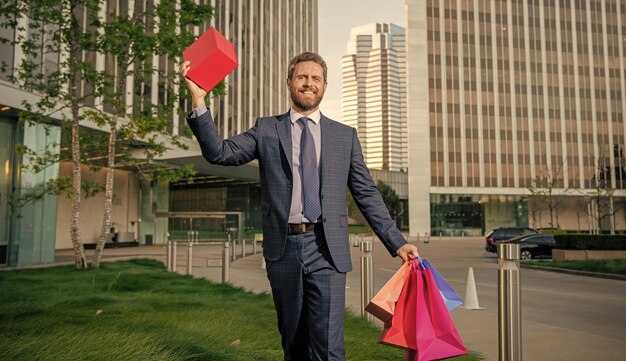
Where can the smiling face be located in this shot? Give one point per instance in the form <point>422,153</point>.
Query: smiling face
<point>307,86</point>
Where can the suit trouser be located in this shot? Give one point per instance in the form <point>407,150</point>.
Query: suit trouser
<point>309,296</point>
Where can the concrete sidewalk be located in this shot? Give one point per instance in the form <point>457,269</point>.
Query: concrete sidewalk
<point>478,328</point>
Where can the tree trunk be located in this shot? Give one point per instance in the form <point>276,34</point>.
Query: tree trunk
<point>80,261</point>
<point>108,198</point>
<point>551,206</point>
<point>108,190</point>
<point>79,251</point>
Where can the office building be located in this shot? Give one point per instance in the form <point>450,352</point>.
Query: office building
<point>374,93</point>
<point>505,97</point>
<point>266,35</point>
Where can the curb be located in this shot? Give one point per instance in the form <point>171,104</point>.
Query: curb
<point>576,272</point>
<point>71,263</point>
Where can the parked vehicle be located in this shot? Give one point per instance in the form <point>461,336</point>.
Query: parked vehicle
<point>503,234</point>
<point>534,245</point>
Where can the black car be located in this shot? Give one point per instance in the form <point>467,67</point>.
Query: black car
<point>534,246</point>
<point>503,234</point>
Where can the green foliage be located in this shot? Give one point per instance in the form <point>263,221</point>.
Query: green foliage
<point>91,188</point>
<point>390,197</point>
<point>132,41</point>
<point>138,311</point>
<point>57,186</point>
<point>359,229</point>
<point>611,266</point>
<point>350,204</point>
<point>590,242</point>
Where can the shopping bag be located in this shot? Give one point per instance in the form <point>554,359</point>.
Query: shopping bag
<point>400,330</point>
<point>436,335</point>
<point>450,297</point>
<point>212,58</point>
<point>383,303</point>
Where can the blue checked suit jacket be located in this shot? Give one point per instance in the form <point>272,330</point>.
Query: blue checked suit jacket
<point>342,164</point>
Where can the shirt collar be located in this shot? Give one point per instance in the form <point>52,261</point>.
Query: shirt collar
<point>315,116</point>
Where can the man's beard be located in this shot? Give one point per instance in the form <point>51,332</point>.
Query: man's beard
<point>305,106</point>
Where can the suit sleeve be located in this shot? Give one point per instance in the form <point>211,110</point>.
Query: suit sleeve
<point>370,202</point>
<point>236,150</point>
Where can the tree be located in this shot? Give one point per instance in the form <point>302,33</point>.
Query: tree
<point>350,203</point>
<point>78,91</point>
<point>132,44</point>
<point>599,197</point>
<point>391,199</point>
<point>548,188</point>
<point>535,210</point>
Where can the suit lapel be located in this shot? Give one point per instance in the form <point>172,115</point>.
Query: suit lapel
<point>328,143</point>
<point>283,127</point>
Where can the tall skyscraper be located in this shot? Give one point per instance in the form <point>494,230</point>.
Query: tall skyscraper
<point>509,96</point>
<point>374,93</point>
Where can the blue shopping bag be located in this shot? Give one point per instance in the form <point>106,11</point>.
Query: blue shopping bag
<point>449,295</point>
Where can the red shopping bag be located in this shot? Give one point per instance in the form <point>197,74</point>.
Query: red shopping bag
<point>436,335</point>
<point>383,304</point>
<point>400,329</point>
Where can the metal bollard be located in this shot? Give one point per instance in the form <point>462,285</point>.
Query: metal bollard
<point>254,250</point>
<point>367,279</point>
<point>174,256</point>
<point>426,237</point>
<point>509,303</point>
<point>189,257</point>
<point>226,262</point>
<point>168,256</point>
<point>355,240</point>
<point>230,239</point>
<point>243,248</point>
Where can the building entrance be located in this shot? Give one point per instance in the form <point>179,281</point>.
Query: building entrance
<point>210,226</point>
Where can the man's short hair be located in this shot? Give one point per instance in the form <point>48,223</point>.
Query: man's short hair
<point>306,56</point>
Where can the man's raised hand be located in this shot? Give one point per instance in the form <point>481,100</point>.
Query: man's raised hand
<point>197,93</point>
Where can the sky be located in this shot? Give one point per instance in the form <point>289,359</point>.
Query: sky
<point>336,19</point>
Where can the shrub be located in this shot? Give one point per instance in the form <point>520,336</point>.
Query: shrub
<point>598,242</point>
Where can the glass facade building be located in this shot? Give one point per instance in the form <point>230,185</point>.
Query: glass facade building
<point>266,35</point>
<point>521,93</point>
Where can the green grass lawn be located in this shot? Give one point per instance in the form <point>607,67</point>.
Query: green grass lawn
<point>613,266</point>
<point>359,229</point>
<point>136,310</point>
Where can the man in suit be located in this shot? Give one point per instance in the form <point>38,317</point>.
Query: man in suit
<point>306,161</point>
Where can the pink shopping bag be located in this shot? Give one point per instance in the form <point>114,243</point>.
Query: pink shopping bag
<point>436,335</point>
<point>383,304</point>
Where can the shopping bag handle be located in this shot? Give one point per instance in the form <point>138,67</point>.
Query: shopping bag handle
<point>418,264</point>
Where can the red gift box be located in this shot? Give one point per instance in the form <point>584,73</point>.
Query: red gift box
<point>212,58</point>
